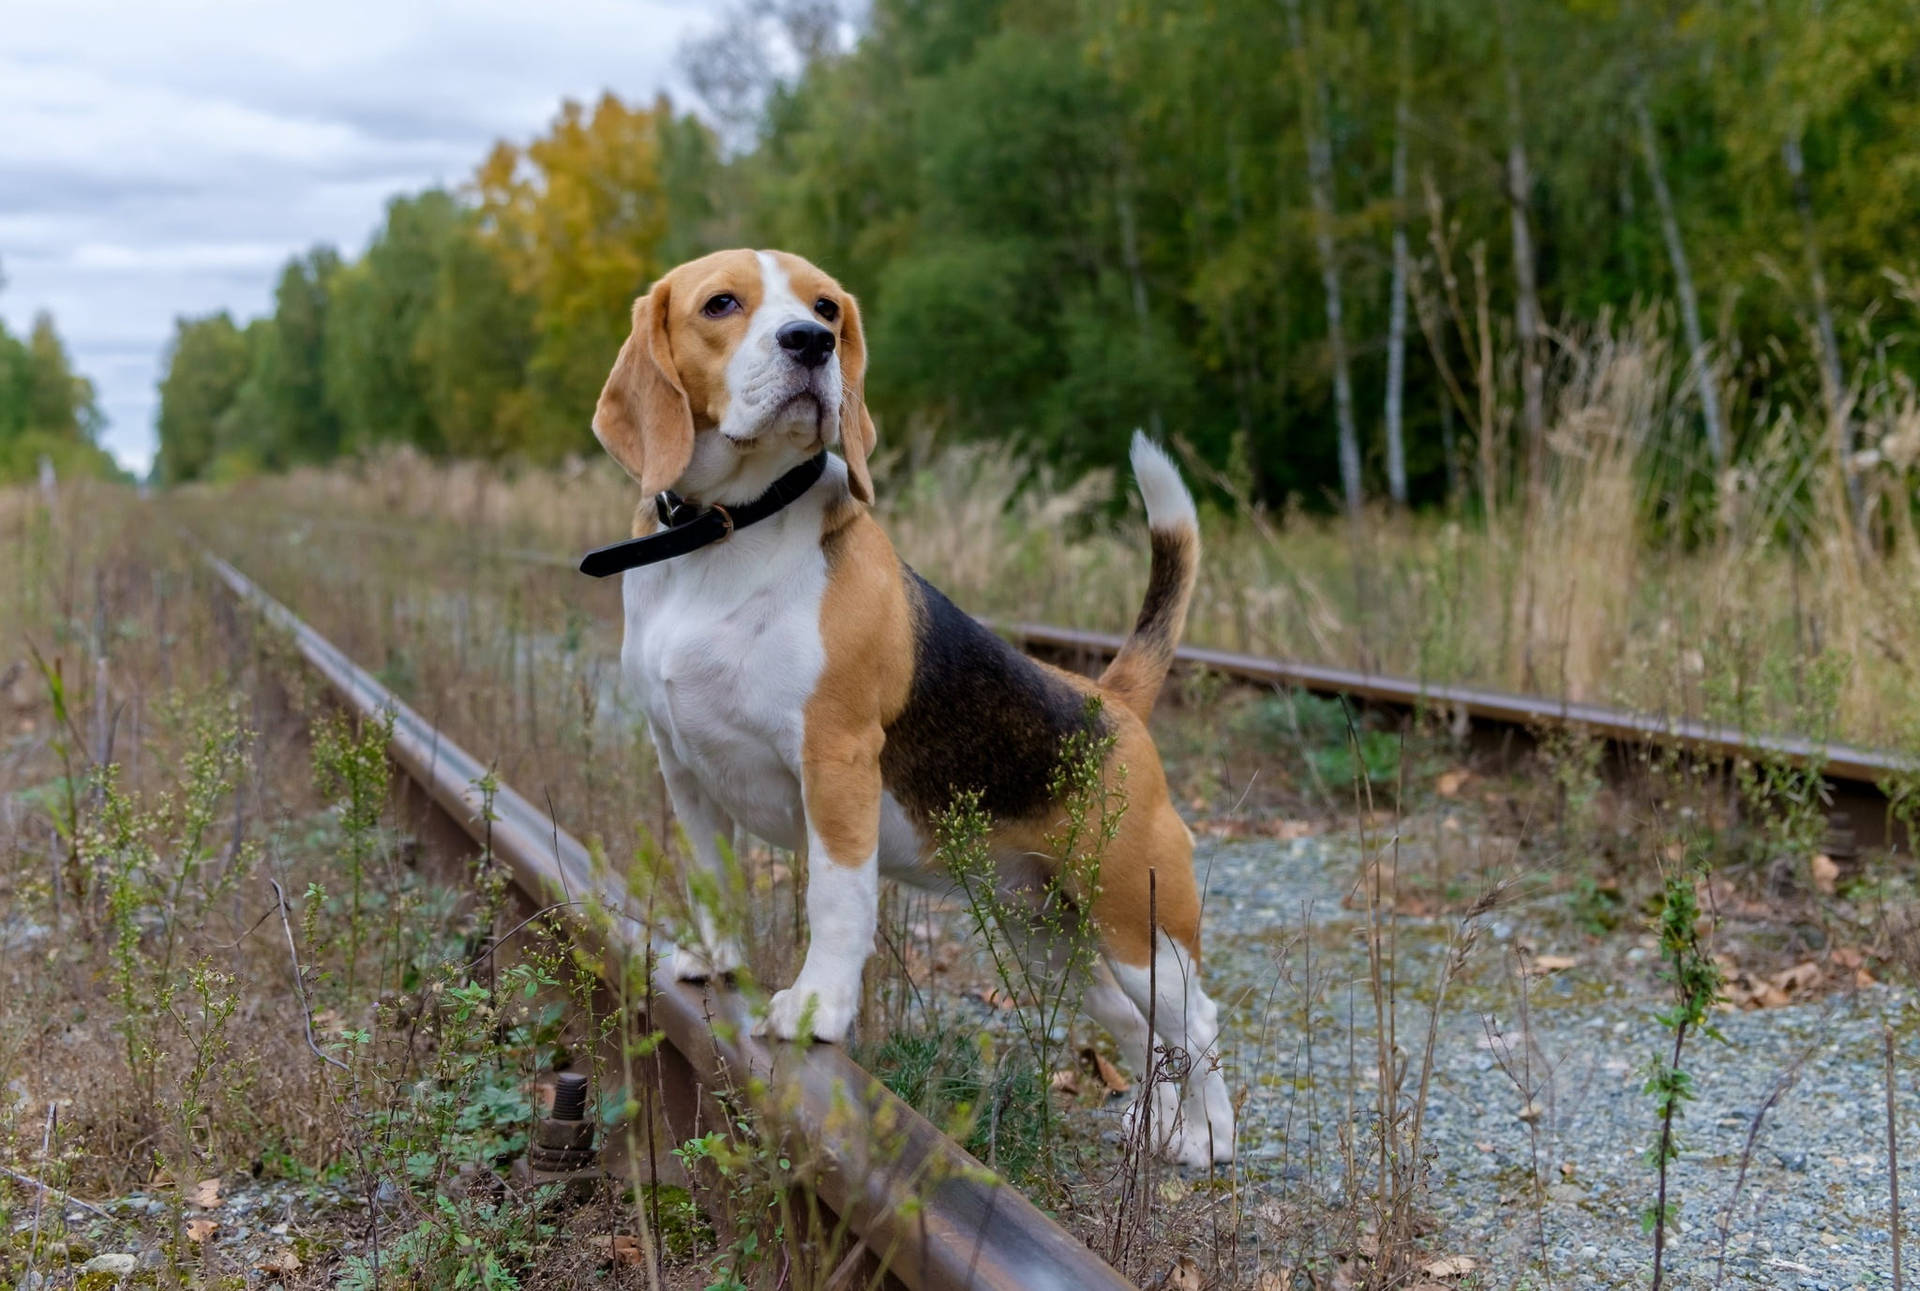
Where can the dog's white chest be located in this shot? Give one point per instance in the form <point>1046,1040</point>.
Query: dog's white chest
<point>723,650</point>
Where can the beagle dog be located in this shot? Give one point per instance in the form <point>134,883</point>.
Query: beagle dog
<point>802,682</point>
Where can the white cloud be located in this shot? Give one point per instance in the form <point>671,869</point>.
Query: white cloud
<point>165,158</point>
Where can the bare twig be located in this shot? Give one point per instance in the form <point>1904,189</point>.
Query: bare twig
<point>1787,1080</point>
<point>39,1198</point>
<point>299,983</point>
<point>1893,1156</point>
<point>32,1182</point>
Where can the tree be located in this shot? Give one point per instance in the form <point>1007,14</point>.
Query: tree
<point>205,363</point>
<point>578,217</point>
<point>46,408</point>
<point>474,348</point>
<point>291,372</point>
<point>1313,115</point>
<point>377,380</point>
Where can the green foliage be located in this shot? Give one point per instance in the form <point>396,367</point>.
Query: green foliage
<point>470,1243</point>
<point>47,410</point>
<point>350,769</point>
<point>1695,979</point>
<point>996,1110</point>
<point>1068,219</point>
<point>205,363</point>
<point>1040,936</point>
<point>1316,729</point>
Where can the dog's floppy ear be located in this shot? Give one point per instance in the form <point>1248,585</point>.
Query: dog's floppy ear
<point>643,417</point>
<point>856,427</point>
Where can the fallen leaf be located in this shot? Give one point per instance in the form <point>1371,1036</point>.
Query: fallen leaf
<point>1825,872</point>
<point>205,1194</point>
<point>283,1265</point>
<point>1065,1081</point>
<point>199,1230</point>
<point>1541,965</point>
<point>1800,978</point>
<point>620,1249</point>
<point>1184,1276</point>
<point>1449,782</point>
<point>1109,1074</point>
<point>1450,1266</point>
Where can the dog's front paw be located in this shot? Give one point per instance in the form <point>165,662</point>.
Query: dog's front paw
<point>699,964</point>
<point>805,1011</point>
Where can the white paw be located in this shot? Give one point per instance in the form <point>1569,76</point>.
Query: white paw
<point>1210,1112</point>
<point>699,964</point>
<point>806,1011</point>
<point>1181,1138</point>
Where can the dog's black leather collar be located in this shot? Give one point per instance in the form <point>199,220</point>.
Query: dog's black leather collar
<point>690,526</point>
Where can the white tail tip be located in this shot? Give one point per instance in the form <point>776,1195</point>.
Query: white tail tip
<point>1169,505</point>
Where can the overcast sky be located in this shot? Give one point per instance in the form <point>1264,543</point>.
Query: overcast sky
<point>165,157</point>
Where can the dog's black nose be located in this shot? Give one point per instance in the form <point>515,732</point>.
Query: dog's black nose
<point>807,341</point>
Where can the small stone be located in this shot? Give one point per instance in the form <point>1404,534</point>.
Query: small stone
<point>1589,1253</point>
<point>119,1265</point>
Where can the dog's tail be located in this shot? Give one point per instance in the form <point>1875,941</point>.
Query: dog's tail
<point>1135,674</point>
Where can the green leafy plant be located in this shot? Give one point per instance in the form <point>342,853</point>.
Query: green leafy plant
<point>1042,942</point>
<point>1695,980</point>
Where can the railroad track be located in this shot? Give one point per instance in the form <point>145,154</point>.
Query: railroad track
<point>1858,781</point>
<point>928,1215</point>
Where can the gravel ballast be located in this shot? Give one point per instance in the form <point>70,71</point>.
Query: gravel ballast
<point>1813,1207</point>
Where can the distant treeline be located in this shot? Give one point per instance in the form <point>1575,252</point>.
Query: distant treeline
<point>1334,246</point>
<point>47,410</point>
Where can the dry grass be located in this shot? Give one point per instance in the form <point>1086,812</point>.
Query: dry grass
<point>1606,592</point>
<point>453,583</point>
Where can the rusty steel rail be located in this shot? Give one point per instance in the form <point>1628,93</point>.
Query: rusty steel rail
<point>1865,771</point>
<point>931,1215</point>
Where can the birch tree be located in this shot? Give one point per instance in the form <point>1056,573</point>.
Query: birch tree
<point>1397,292</point>
<point>1526,311</point>
<point>1700,361</point>
<point>1313,121</point>
<point>1832,380</point>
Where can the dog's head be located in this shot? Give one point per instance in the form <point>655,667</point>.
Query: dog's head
<point>741,365</point>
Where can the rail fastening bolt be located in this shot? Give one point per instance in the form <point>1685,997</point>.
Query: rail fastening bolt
<point>570,1096</point>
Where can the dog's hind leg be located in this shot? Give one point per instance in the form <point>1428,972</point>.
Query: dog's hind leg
<point>1148,912</point>
<point>1192,1114</point>
<point>714,886</point>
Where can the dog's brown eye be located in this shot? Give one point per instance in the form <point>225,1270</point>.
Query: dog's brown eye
<point>720,306</point>
<point>826,309</point>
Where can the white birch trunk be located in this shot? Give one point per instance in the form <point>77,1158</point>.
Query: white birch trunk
<point>1700,360</point>
<point>1320,184</point>
<point>1397,298</point>
<point>1526,313</point>
<point>1833,384</point>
